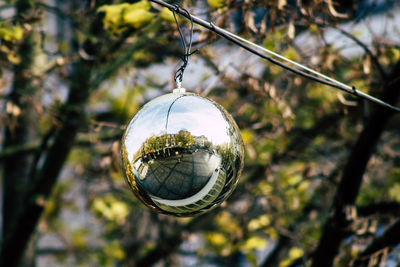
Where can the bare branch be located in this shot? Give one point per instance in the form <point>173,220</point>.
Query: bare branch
<point>384,243</point>
<point>373,57</point>
<point>86,139</point>
<point>381,208</point>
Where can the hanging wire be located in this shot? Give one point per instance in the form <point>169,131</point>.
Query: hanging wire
<point>186,48</point>
<point>255,49</point>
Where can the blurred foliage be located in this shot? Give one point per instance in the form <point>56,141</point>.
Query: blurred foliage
<point>10,33</point>
<point>118,17</point>
<point>216,3</point>
<point>297,134</point>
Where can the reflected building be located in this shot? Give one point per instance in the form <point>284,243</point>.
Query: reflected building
<point>186,159</point>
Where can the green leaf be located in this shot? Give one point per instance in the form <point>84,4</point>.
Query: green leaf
<point>78,238</point>
<point>114,250</point>
<point>111,209</point>
<point>394,192</point>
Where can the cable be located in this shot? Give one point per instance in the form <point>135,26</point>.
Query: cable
<point>254,48</point>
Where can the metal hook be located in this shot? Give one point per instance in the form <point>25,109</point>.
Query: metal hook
<point>187,48</point>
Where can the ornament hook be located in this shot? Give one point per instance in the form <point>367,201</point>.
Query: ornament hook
<point>187,48</point>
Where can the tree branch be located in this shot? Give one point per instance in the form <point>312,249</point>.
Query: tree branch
<point>335,228</point>
<point>172,242</point>
<point>285,243</point>
<point>389,239</point>
<point>374,58</point>
<point>21,126</point>
<point>72,116</point>
<point>84,140</point>
<point>381,208</point>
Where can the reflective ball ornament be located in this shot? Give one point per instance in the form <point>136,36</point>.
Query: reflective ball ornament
<point>182,154</point>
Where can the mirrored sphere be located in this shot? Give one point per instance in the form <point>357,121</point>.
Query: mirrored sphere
<point>182,154</point>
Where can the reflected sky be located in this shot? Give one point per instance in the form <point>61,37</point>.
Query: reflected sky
<point>188,112</point>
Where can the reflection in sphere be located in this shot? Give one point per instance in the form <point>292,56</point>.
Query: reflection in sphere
<point>182,154</point>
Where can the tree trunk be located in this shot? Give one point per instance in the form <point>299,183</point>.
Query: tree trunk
<point>20,127</point>
<point>335,228</point>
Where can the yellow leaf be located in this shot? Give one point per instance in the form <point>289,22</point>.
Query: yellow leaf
<point>113,16</point>
<point>259,222</point>
<point>216,3</point>
<point>255,242</point>
<point>247,136</point>
<point>114,250</point>
<point>137,14</point>
<point>291,53</point>
<point>272,233</point>
<point>136,18</point>
<point>78,239</point>
<point>217,239</point>
<point>227,223</point>
<point>167,14</point>
<point>144,4</point>
<point>111,209</point>
<point>13,58</point>
<point>295,253</point>
<point>394,192</point>
<point>117,17</point>
<point>11,33</point>
<point>294,179</point>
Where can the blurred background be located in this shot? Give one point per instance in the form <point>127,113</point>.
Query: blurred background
<point>321,181</point>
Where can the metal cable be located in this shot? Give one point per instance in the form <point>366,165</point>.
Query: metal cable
<point>255,49</point>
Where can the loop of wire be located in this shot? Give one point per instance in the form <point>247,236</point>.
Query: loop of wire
<point>187,48</point>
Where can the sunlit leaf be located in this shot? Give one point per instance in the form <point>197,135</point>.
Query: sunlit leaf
<point>13,58</point>
<point>10,33</point>
<point>113,16</point>
<point>137,17</point>
<point>216,3</point>
<point>227,222</point>
<point>167,15</point>
<point>79,238</point>
<point>247,136</point>
<point>111,209</point>
<point>114,250</point>
<point>255,242</point>
<point>119,16</point>
<point>259,222</point>
<point>295,253</point>
<point>216,239</point>
<point>394,192</point>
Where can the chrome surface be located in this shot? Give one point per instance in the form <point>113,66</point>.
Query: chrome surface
<point>182,154</point>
